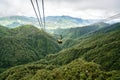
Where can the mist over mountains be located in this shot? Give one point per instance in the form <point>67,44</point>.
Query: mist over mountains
<point>52,22</point>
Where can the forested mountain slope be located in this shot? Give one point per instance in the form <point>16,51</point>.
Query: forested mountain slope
<point>73,35</point>
<point>25,44</point>
<point>3,30</point>
<point>101,49</point>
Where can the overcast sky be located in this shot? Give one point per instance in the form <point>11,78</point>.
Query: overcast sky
<point>90,9</point>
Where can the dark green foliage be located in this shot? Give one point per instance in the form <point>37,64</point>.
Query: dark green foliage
<point>3,30</point>
<point>25,44</point>
<point>101,49</point>
<point>76,70</point>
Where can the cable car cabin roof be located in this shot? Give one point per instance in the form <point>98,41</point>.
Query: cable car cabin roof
<point>59,41</point>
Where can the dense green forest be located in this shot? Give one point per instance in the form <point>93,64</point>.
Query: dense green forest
<point>76,70</point>
<point>94,56</point>
<point>24,44</point>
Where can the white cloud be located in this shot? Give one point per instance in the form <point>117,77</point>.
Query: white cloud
<point>76,8</point>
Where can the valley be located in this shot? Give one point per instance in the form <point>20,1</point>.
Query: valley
<point>88,53</point>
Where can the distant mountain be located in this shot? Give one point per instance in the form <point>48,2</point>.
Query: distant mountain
<point>14,24</point>
<point>77,32</point>
<point>65,21</point>
<point>24,44</point>
<point>15,21</point>
<point>110,28</point>
<point>52,22</point>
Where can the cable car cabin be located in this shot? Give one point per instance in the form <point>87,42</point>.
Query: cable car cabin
<point>59,41</point>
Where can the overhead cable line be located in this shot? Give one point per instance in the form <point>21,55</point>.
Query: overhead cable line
<point>39,13</point>
<point>112,17</point>
<point>43,8</point>
<point>35,12</point>
<point>108,19</point>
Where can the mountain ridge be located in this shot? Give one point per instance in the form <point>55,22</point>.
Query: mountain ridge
<point>51,21</point>
<point>25,44</point>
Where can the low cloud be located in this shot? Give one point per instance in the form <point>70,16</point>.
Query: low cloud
<point>92,9</point>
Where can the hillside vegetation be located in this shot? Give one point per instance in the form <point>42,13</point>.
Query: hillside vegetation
<point>3,30</point>
<point>71,36</point>
<point>76,70</point>
<point>100,47</point>
<point>77,32</point>
<point>96,57</point>
<point>24,44</point>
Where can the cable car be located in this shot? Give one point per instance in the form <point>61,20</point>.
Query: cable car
<point>60,40</point>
